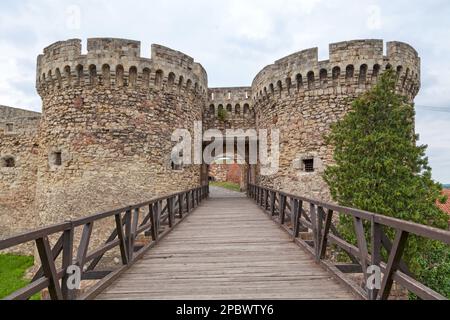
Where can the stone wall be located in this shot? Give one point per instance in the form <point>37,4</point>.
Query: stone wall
<point>237,103</point>
<point>226,172</point>
<point>302,96</point>
<point>104,139</point>
<point>109,116</point>
<point>18,154</point>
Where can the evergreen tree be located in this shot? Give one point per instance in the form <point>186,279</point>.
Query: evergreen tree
<point>380,168</point>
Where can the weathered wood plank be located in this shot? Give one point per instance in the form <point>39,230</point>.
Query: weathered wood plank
<point>227,249</point>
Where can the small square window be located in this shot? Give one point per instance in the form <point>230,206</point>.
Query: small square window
<point>176,167</point>
<point>9,127</point>
<point>56,158</point>
<point>8,162</point>
<point>308,165</point>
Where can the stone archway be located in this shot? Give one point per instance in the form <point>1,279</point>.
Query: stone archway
<point>231,167</point>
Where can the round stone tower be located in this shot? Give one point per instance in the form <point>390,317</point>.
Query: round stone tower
<point>302,96</point>
<point>108,117</point>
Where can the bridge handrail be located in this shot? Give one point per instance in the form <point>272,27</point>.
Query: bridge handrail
<point>166,211</point>
<point>282,206</point>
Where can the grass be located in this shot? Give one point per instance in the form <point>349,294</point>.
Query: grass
<point>12,272</point>
<point>227,185</point>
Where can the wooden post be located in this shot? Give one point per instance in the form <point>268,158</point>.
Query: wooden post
<point>282,208</point>
<point>67,260</point>
<point>48,266</point>
<point>84,244</point>
<point>187,202</point>
<point>326,231</point>
<point>313,213</point>
<point>180,205</point>
<point>128,233</point>
<point>295,217</point>
<point>121,236</point>
<point>362,244</point>
<point>272,203</point>
<point>375,252</point>
<point>393,263</point>
<point>170,211</point>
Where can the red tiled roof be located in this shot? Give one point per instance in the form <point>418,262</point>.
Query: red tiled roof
<point>445,206</point>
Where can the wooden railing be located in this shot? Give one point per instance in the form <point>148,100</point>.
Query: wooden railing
<point>154,218</point>
<point>298,214</point>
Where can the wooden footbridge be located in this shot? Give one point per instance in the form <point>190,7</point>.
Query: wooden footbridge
<point>218,244</point>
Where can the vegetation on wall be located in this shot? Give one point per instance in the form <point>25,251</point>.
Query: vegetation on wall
<point>380,168</point>
<point>222,115</point>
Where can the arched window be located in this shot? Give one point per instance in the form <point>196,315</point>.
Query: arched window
<point>132,77</point>
<point>299,80</point>
<point>405,77</point>
<point>288,84</point>
<point>8,162</point>
<point>80,75</point>
<point>376,71</point>
<point>265,93</point>
<point>68,76</point>
<point>180,82</point>
<point>388,66</point>
<point>171,80</point>
<point>229,108</point>
<point>399,71</point>
<point>106,75</point>
<point>272,90</point>
<point>212,109</point>
<point>335,74</point>
<point>159,78</point>
<point>279,87</point>
<point>58,78</point>
<point>220,108</point>
<point>323,75</point>
<point>246,108</point>
<point>237,109</point>
<point>349,72</point>
<point>146,77</point>
<point>362,74</point>
<point>92,75</point>
<point>311,80</point>
<point>188,84</point>
<point>10,127</point>
<point>50,78</point>
<point>119,76</point>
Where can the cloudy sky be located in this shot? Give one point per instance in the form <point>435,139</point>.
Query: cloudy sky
<point>234,39</point>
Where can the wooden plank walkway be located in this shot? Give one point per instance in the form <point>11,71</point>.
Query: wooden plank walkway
<point>226,249</point>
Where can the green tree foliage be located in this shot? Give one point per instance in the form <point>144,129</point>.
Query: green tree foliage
<point>222,115</point>
<point>380,168</point>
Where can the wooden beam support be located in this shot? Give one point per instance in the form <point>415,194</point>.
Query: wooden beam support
<point>393,263</point>
<point>48,265</point>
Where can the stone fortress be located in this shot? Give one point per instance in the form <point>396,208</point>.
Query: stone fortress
<point>103,139</point>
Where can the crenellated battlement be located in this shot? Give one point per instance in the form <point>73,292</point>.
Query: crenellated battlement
<point>355,63</point>
<point>117,62</point>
